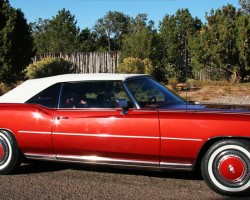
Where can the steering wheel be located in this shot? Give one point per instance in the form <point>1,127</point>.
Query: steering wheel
<point>152,99</point>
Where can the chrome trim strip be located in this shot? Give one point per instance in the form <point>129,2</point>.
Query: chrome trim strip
<point>172,111</point>
<point>177,166</point>
<point>110,136</point>
<point>105,160</point>
<point>184,139</point>
<point>220,112</point>
<point>35,132</point>
<point>105,135</point>
<point>146,110</point>
<point>40,156</point>
<point>60,96</point>
<point>131,96</point>
<point>112,162</point>
<point>90,109</point>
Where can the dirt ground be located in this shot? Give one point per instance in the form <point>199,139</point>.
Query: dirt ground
<point>216,93</point>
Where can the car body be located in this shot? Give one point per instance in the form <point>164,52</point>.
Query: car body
<point>125,120</point>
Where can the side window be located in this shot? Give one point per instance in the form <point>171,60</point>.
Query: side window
<point>143,91</point>
<point>151,94</point>
<point>146,92</point>
<point>48,97</point>
<point>92,94</point>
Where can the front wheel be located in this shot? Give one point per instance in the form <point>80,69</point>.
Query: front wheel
<point>226,167</point>
<point>9,154</point>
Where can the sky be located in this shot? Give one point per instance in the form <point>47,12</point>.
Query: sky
<point>87,12</point>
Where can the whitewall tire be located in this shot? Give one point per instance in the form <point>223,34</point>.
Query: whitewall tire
<point>9,154</point>
<point>226,167</point>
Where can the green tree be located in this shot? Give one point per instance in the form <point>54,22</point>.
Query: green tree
<point>137,46</point>
<point>169,37</point>
<point>176,31</point>
<point>245,4</point>
<point>226,48</point>
<point>88,41</point>
<point>16,43</point>
<point>243,44</point>
<point>63,32</point>
<point>157,56</point>
<point>138,42</point>
<point>40,35</point>
<point>200,51</point>
<point>59,34</point>
<point>112,27</point>
<point>223,44</point>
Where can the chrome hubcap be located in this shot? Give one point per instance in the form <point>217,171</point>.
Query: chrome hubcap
<point>3,151</point>
<point>232,168</point>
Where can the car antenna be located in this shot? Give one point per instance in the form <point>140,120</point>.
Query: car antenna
<point>186,66</point>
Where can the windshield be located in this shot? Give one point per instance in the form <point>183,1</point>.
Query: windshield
<point>151,94</point>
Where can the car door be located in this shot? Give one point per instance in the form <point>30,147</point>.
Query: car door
<point>35,122</point>
<point>97,131</point>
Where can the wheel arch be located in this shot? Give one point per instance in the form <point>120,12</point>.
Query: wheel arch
<point>10,132</point>
<point>22,157</point>
<point>208,144</point>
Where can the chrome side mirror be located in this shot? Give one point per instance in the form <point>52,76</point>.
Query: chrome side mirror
<point>122,103</point>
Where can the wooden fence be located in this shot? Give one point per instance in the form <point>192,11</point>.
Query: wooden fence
<point>106,62</point>
<point>88,62</point>
<point>210,74</point>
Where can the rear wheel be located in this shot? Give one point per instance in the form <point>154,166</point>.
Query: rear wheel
<point>9,154</point>
<point>226,167</point>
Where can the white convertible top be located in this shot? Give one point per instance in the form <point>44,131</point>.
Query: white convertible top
<point>31,87</point>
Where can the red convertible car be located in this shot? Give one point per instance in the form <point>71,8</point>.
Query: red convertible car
<point>125,120</point>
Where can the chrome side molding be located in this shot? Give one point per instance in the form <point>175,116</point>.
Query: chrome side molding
<point>112,162</point>
<point>177,166</point>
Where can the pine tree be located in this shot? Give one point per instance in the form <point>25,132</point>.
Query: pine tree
<point>63,33</point>
<point>176,31</point>
<point>243,44</point>
<point>245,4</point>
<point>40,35</point>
<point>223,45</point>
<point>138,42</point>
<point>88,41</point>
<point>16,43</point>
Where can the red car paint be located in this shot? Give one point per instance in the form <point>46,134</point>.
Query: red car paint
<point>163,132</point>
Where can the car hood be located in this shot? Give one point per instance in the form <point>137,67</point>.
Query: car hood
<point>210,108</point>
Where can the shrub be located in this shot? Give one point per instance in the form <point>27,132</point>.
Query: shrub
<point>3,89</point>
<point>173,82</point>
<point>193,84</point>
<point>135,66</point>
<point>148,66</point>
<point>50,67</point>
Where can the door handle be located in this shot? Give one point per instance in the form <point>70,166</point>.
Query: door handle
<point>62,117</point>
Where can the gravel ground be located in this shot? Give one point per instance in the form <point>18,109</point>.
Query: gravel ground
<point>230,99</point>
<point>60,181</point>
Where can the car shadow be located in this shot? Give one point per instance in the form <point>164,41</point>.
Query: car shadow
<point>187,175</point>
<point>43,166</point>
<point>34,167</point>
